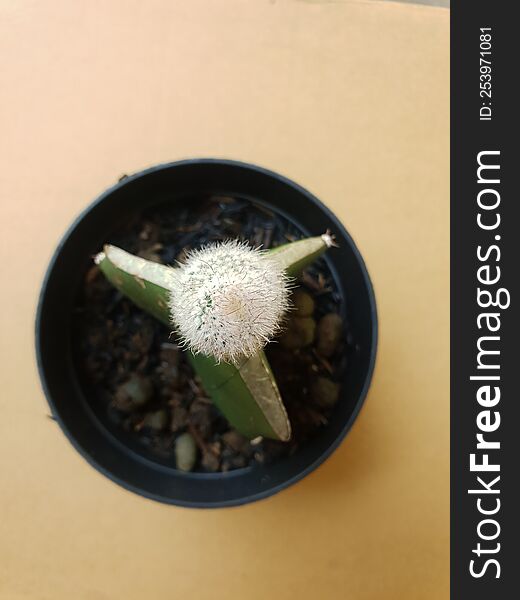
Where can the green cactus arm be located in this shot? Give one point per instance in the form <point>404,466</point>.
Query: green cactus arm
<point>296,256</point>
<point>246,395</point>
<point>146,283</point>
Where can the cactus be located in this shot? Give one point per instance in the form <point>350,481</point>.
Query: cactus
<point>226,301</point>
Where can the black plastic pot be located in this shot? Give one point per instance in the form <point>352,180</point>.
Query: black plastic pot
<point>53,331</point>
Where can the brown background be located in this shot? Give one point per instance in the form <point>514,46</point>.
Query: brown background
<point>350,99</point>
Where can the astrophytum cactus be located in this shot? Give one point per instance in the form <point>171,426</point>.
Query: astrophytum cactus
<point>225,302</point>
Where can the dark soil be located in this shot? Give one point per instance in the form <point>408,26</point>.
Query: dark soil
<point>140,383</point>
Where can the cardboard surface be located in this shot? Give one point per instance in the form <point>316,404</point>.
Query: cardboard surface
<point>350,99</point>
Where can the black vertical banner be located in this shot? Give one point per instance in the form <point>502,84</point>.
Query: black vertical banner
<point>485,300</point>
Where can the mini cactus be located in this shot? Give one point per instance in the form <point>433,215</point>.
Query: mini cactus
<point>229,300</point>
<point>226,301</point>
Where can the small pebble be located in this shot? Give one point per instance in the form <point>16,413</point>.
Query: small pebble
<point>300,333</point>
<point>324,392</point>
<point>156,420</point>
<point>133,393</point>
<point>303,303</point>
<point>185,452</point>
<point>330,330</point>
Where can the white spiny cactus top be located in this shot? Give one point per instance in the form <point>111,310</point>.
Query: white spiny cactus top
<point>229,300</point>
